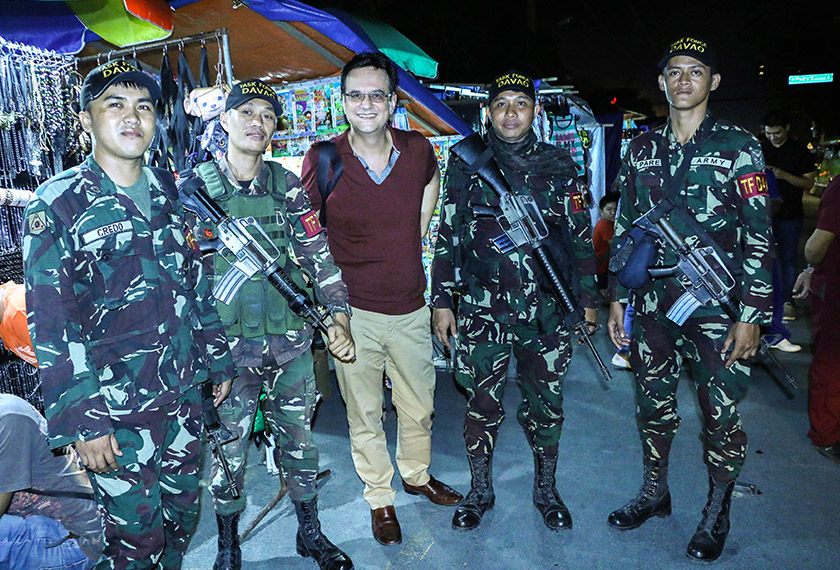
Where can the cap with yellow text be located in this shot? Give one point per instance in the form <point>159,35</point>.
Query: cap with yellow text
<point>512,81</point>
<point>691,46</point>
<point>244,91</point>
<point>117,71</point>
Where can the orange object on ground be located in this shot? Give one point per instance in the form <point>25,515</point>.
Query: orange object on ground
<point>13,330</point>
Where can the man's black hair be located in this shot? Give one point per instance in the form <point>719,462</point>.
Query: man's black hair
<point>608,197</point>
<point>376,60</point>
<point>776,119</point>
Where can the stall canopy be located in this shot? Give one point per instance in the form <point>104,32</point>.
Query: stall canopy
<point>279,41</point>
<point>65,26</point>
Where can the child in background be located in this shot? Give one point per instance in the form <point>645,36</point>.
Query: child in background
<point>602,239</point>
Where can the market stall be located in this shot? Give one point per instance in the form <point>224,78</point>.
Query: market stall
<point>296,48</point>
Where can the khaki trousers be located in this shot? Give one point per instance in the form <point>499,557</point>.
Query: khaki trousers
<point>401,345</point>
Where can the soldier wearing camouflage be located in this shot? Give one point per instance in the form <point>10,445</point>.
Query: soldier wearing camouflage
<point>270,344</point>
<point>261,352</point>
<point>502,302</point>
<point>123,326</point>
<point>717,193</point>
<point>725,191</point>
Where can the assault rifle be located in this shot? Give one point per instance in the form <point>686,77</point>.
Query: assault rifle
<point>217,435</point>
<point>239,236</point>
<point>702,272</point>
<point>524,226</point>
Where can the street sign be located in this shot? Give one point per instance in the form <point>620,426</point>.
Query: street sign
<point>813,78</point>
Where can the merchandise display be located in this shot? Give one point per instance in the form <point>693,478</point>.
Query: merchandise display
<point>37,131</point>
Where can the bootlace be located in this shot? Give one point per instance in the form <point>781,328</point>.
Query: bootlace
<point>545,478</point>
<point>713,509</point>
<point>650,488</point>
<point>312,528</point>
<point>481,476</point>
<point>227,531</point>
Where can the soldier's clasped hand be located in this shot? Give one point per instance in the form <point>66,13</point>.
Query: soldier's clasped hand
<point>99,455</point>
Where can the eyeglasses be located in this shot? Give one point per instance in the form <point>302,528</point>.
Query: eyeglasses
<point>377,97</point>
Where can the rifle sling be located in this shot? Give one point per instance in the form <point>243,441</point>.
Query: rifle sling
<point>479,157</point>
<point>673,185</point>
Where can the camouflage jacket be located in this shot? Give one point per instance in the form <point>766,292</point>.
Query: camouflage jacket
<point>306,241</point>
<point>118,305</point>
<point>509,287</point>
<point>724,190</point>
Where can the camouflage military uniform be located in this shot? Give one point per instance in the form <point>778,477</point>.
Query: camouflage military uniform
<point>724,190</point>
<point>270,345</point>
<point>123,329</point>
<point>503,304</point>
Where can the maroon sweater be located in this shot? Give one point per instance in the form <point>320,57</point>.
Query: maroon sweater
<point>374,230</point>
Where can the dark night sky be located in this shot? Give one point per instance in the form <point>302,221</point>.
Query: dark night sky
<point>610,49</point>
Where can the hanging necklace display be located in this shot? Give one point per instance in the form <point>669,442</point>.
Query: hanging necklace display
<point>34,105</point>
<point>34,138</point>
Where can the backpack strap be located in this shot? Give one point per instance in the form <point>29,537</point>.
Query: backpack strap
<point>328,159</point>
<point>166,181</point>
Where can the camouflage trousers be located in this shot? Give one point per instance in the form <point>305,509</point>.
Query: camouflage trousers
<point>150,504</point>
<point>659,349</point>
<point>289,405</point>
<point>482,351</point>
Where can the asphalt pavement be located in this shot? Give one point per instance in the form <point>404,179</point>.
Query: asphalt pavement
<point>785,515</point>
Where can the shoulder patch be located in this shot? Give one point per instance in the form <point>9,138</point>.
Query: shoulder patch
<point>192,243</point>
<point>578,202</point>
<point>751,185</point>
<point>37,222</point>
<point>310,223</point>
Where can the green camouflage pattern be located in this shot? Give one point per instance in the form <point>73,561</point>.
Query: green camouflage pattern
<point>150,504</point>
<point>482,355</point>
<point>739,224</point>
<point>504,303</point>
<point>510,285</point>
<point>118,306</point>
<point>660,349</point>
<point>711,195</point>
<point>288,407</point>
<point>279,364</point>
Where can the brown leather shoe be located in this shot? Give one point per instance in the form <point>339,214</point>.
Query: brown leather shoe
<point>385,526</point>
<point>437,492</point>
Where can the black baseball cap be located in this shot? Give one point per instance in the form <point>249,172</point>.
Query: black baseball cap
<point>512,81</point>
<point>244,91</point>
<point>691,46</point>
<point>117,71</point>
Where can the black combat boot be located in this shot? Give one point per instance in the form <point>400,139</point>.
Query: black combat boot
<point>653,499</point>
<point>229,556</point>
<point>480,498</point>
<point>555,514</point>
<point>312,542</point>
<point>707,543</point>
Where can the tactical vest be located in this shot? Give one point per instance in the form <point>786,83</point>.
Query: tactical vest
<point>257,308</point>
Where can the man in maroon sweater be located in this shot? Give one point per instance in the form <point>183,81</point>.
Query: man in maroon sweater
<point>378,212</point>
